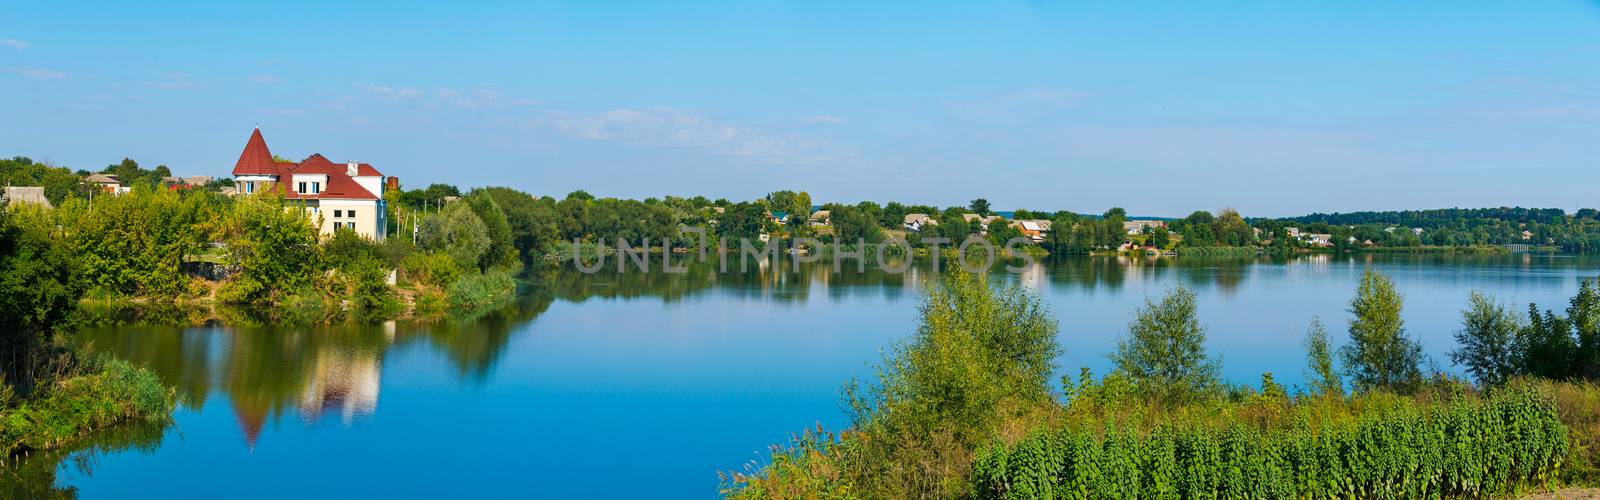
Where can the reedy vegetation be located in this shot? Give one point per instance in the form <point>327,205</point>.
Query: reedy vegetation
<point>949,419</point>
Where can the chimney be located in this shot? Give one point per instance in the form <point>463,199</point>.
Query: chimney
<point>350,168</point>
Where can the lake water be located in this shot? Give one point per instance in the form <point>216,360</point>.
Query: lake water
<point>633,385</point>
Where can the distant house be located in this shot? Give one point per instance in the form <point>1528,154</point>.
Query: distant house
<point>1138,226</point>
<point>1031,229</point>
<point>107,183</point>
<point>193,180</point>
<point>779,216</point>
<point>822,218</point>
<point>1417,231</point>
<point>1044,224</point>
<point>1527,235</point>
<point>1318,239</point>
<point>339,196</point>
<point>1294,232</point>
<point>982,220</point>
<point>915,222</point>
<point>32,195</point>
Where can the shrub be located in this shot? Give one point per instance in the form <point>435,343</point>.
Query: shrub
<point>1380,355</point>
<point>477,291</point>
<point>109,392</point>
<point>1164,353</point>
<point>1460,448</point>
<point>437,270</point>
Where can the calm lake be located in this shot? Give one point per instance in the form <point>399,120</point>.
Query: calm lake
<point>646,385</point>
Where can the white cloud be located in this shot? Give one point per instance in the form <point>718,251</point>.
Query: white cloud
<point>14,43</point>
<point>824,120</point>
<point>385,92</point>
<point>39,73</point>
<point>174,81</point>
<point>663,126</point>
<point>264,79</point>
<point>482,98</point>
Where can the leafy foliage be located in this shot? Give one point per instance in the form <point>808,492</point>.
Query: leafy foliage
<point>1487,340</point>
<point>1379,354</point>
<point>1321,375</point>
<point>275,249</point>
<point>1463,448</point>
<point>1164,353</point>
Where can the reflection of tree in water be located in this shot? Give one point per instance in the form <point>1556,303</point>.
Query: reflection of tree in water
<point>779,281</point>
<point>1112,273</point>
<point>474,346</point>
<point>35,476</point>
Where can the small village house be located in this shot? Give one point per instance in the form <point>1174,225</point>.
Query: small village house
<point>1031,229</point>
<point>26,195</point>
<point>107,183</point>
<point>1138,226</point>
<point>915,222</point>
<point>336,196</point>
<point>822,218</point>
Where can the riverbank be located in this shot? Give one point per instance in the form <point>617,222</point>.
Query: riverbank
<point>100,393</point>
<point>964,408</point>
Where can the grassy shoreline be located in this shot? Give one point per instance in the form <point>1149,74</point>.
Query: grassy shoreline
<point>102,393</point>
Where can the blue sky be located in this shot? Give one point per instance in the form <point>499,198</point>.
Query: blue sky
<point>1275,108</point>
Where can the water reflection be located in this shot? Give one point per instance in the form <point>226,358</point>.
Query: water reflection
<point>255,375</point>
<point>268,371</point>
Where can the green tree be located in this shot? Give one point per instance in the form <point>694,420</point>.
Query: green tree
<point>457,232</point>
<point>1230,229</point>
<point>851,224</point>
<point>1380,355</point>
<point>979,206</point>
<point>274,248</point>
<point>1321,375</point>
<point>1160,237</point>
<point>37,291</point>
<point>977,354</point>
<point>534,224</point>
<point>1545,346</point>
<point>1583,313</point>
<point>1487,340</point>
<point>501,252</point>
<point>1197,229</point>
<point>1164,352</point>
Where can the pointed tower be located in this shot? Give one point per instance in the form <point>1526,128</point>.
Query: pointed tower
<point>256,158</point>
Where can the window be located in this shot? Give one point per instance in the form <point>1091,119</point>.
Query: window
<point>316,187</point>
<point>250,187</point>
<point>338,213</point>
<point>351,213</point>
<point>302,189</point>
<point>313,210</point>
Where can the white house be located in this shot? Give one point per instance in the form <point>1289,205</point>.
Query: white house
<point>1138,226</point>
<point>335,196</point>
<point>915,222</point>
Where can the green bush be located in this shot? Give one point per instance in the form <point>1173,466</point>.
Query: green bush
<point>477,291</point>
<point>1460,448</point>
<point>434,269</point>
<point>109,392</point>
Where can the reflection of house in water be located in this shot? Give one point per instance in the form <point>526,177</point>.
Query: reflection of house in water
<point>1033,276</point>
<point>348,383</point>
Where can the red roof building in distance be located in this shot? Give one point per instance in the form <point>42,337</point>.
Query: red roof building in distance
<point>337,196</point>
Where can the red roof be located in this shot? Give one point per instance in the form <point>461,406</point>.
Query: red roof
<point>256,159</point>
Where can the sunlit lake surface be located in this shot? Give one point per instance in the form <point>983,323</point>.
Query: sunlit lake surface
<point>633,385</point>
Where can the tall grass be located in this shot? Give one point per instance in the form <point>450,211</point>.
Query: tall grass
<point>107,391</point>
<point>1463,447</point>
